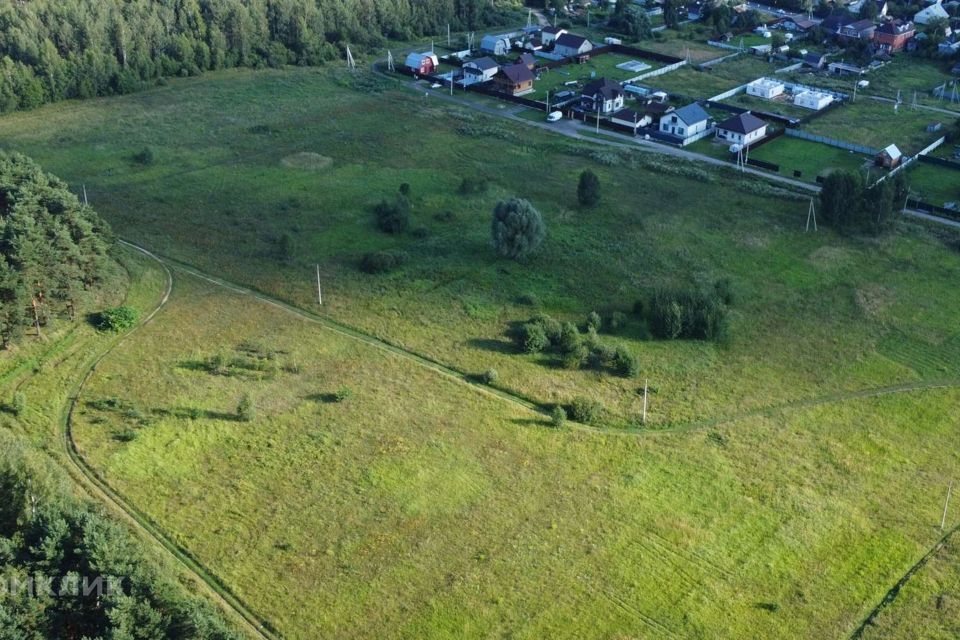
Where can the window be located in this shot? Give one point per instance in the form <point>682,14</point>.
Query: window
<point>680,130</point>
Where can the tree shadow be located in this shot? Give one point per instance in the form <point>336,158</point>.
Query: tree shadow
<point>194,413</point>
<point>488,344</point>
<point>325,398</point>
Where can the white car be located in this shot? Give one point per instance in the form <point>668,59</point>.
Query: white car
<point>436,85</point>
<point>554,116</point>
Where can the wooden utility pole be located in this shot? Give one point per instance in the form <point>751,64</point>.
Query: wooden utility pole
<point>319,293</point>
<point>946,503</point>
<point>646,386</point>
<point>85,196</point>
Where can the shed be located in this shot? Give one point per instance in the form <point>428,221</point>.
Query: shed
<point>496,45</point>
<point>422,63</point>
<point>889,157</point>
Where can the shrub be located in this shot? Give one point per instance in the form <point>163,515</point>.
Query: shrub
<point>393,217</point>
<point>593,321</point>
<point>445,216</point>
<point>490,376</point>
<point>382,261</point>
<point>471,186</point>
<point>116,319</point>
<point>533,339</point>
<point>517,229</point>
<point>144,157</point>
<point>585,410</point>
<point>724,290</point>
<point>639,308</point>
<point>405,189</point>
<point>625,363</point>
<point>570,338</point>
<point>558,417</point>
<point>246,412</point>
<point>618,319</point>
<point>126,434</point>
<point>342,394</point>
<point>551,327</point>
<point>588,189</point>
<point>529,299</point>
<point>686,314</point>
<point>19,404</point>
<point>574,358</point>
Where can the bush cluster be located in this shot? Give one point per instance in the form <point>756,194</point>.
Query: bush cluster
<point>393,217</point>
<point>543,333</point>
<point>585,410</point>
<point>382,261</point>
<point>690,314</point>
<point>116,319</point>
<point>472,186</point>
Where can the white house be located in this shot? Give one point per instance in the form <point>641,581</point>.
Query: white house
<point>686,122</point>
<point>549,35</point>
<point>931,14</point>
<point>742,129</point>
<point>602,95</point>
<point>812,100</point>
<point>496,45</point>
<point>570,45</point>
<point>480,70</point>
<point>765,88</point>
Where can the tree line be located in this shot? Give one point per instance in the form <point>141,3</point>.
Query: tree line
<point>58,49</point>
<point>50,542</point>
<point>53,249</point>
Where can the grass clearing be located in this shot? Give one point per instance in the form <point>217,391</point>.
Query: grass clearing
<point>421,507</point>
<point>934,184</point>
<point>904,127</point>
<point>700,85</point>
<point>602,66</point>
<point>812,159</point>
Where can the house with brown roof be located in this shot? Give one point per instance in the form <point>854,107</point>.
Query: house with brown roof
<point>514,79</point>
<point>893,36</point>
<point>570,45</point>
<point>602,95</point>
<point>743,129</point>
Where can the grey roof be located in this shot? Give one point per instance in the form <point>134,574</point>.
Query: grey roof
<point>629,115</point>
<point>692,113</point>
<point>604,86</point>
<point>571,40</point>
<point>742,123</point>
<point>484,64</point>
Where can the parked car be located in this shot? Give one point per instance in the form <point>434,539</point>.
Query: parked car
<point>554,116</point>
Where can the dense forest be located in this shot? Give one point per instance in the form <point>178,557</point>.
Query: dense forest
<point>56,49</point>
<point>53,249</point>
<point>48,535</point>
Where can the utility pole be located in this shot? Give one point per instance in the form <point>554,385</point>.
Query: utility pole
<point>319,293</point>
<point>390,65</point>
<point>943,520</point>
<point>599,103</point>
<point>811,215</point>
<point>448,34</point>
<point>85,196</point>
<point>646,386</point>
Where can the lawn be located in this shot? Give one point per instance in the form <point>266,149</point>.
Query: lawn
<point>669,42</point>
<point>602,66</point>
<point>933,184</point>
<point>226,188</point>
<point>420,507</point>
<point>812,159</point>
<point>700,85</point>
<point>779,107</point>
<point>904,127</point>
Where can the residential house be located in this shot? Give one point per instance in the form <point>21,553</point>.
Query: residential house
<point>950,46</point>
<point>603,95</point>
<point>743,129</point>
<point>833,24</point>
<point>549,35</point>
<point>422,63</point>
<point>893,36</point>
<point>889,157</point>
<point>632,119</point>
<point>570,45</point>
<point>859,30</point>
<point>687,123</point>
<point>812,100</point>
<point>793,23</point>
<point>814,60</point>
<point>845,68</point>
<point>514,79</point>
<point>480,70</point>
<point>527,59</point>
<point>496,45</point>
<point>765,88</point>
<point>931,14</point>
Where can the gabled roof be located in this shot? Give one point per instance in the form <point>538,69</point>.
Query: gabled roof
<point>895,27</point>
<point>604,86</point>
<point>554,30</point>
<point>931,13</point>
<point>517,73</point>
<point>860,25</point>
<point>692,113</point>
<point>484,64</point>
<point>527,59</point>
<point>815,59</point>
<point>835,22</point>
<point>892,151</point>
<point>629,115</point>
<point>571,40</point>
<point>742,123</point>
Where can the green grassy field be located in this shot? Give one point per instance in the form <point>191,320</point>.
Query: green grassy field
<point>728,74</point>
<point>772,495</point>
<point>934,184</point>
<point>669,42</point>
<point>904,127</point>
<point>810,158</point>
<point>602,66</point>
<point>780,107</point>
<point>421,507</point>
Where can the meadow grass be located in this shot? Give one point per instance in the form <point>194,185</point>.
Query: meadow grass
<point>421,507</point>
<point>814,313</point>
<point>669,42</point>
<point>700,85</point>
<point>876,124</point>
<point>934,184</point>
<point>602,66</point>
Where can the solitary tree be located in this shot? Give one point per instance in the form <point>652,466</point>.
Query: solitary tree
<point>246,412</point>
<point>588,191</point>
<point>517,228</point>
